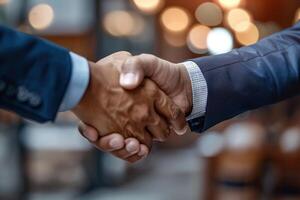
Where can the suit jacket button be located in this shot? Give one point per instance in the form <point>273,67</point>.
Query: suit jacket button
<point>35,100</point>
<point>2,85</point>
<point>11,91</point>
<point>23,94</point>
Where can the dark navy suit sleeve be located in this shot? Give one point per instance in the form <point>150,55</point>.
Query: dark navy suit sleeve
<point>250,77</point>
<point>34,75</point>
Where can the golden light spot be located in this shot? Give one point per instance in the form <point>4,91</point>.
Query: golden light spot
<point>248,37</point>
<point>239,19</point>
<point>149,6</point>
<point>41,16</point>
<point>175,19</point>
<point>228,4</point>
<point>197,39</point>
<point>123,23</point>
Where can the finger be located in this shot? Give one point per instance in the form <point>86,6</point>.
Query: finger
<point>174,116</point>
<point>142,154</point>
<point>133,159</point>
<point>159,128</point>
<point>110,142</point>
<point>140,134</point>
<point>132,147</point>
<point>132,73</point>
<point>144,151</point>
<point>88,132</point>
<point>136,68</point>
<point>121,55</point>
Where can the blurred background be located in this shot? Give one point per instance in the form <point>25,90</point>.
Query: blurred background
<point>253,156</point>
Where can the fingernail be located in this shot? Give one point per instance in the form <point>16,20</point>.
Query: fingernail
<point>182,131</point>
<point>90,136</point>
<point>131,147</point>
<point>128,79</point>
<point>115,144</point>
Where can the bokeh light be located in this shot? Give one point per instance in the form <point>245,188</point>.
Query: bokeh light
<point>175,19</point>
<point>248,37</point>
<point>210,144</point>
<point>228,4</point>
<point>197,39</point>
<point>239,19</point>
<point>209,14</point>
<point>123,24</point>
<point>290,140</point>
<point>219,40</point>
<point>149,6</point>
<point>41,16</point>
<point>297,17</point>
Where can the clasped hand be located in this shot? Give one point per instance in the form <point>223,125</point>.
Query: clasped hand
<point>144,113</point>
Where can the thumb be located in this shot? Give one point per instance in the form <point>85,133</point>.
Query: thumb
<point>134,70</point>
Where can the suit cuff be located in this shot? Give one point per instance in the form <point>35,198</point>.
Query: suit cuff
<point>199,89</point>
<point>78,83</point>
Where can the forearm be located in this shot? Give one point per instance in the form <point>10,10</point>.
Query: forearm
<point>250,77</point>
<point>34,75</point>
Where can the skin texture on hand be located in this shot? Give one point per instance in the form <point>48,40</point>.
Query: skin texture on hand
<point>136,113</point>
<point>172,78</point>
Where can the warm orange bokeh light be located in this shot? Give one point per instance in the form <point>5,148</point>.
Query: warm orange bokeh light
<point>239,19</point>
<point>197,39</point>
<point>123,24</point>
<point>175,19</point>
<point>41,16</point>
<point>228,4</point>
<point>149,6</point>
<point>209,14</point>
<point>248,37</point>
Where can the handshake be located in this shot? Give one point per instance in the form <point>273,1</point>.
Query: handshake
<point>123,112</point>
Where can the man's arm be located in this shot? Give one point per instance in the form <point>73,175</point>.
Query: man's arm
<point>250,77</point>
<point>38,78</point>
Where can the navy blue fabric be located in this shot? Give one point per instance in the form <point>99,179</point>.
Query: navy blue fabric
<point>40,67</point>
<point>250,77</point>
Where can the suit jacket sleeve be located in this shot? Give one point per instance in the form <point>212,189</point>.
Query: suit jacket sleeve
<point>250,77</point>
<point>34,75</point>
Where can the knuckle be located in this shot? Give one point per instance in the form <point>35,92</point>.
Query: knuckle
<point>147,56</point>
<point>125,53</point>
<point>175,112</point>
<point>150,89</point>
<point>131,63</point>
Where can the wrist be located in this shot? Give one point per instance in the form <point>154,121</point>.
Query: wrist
<point>83,100</point>
<point>188,91</point>
<point>199,90</point>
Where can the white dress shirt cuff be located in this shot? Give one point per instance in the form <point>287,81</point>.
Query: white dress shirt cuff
<point>199,89</point>
<point>78,83</point>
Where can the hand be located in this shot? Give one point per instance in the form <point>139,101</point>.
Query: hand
<point>172,78</point>
<point>111,109</point>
